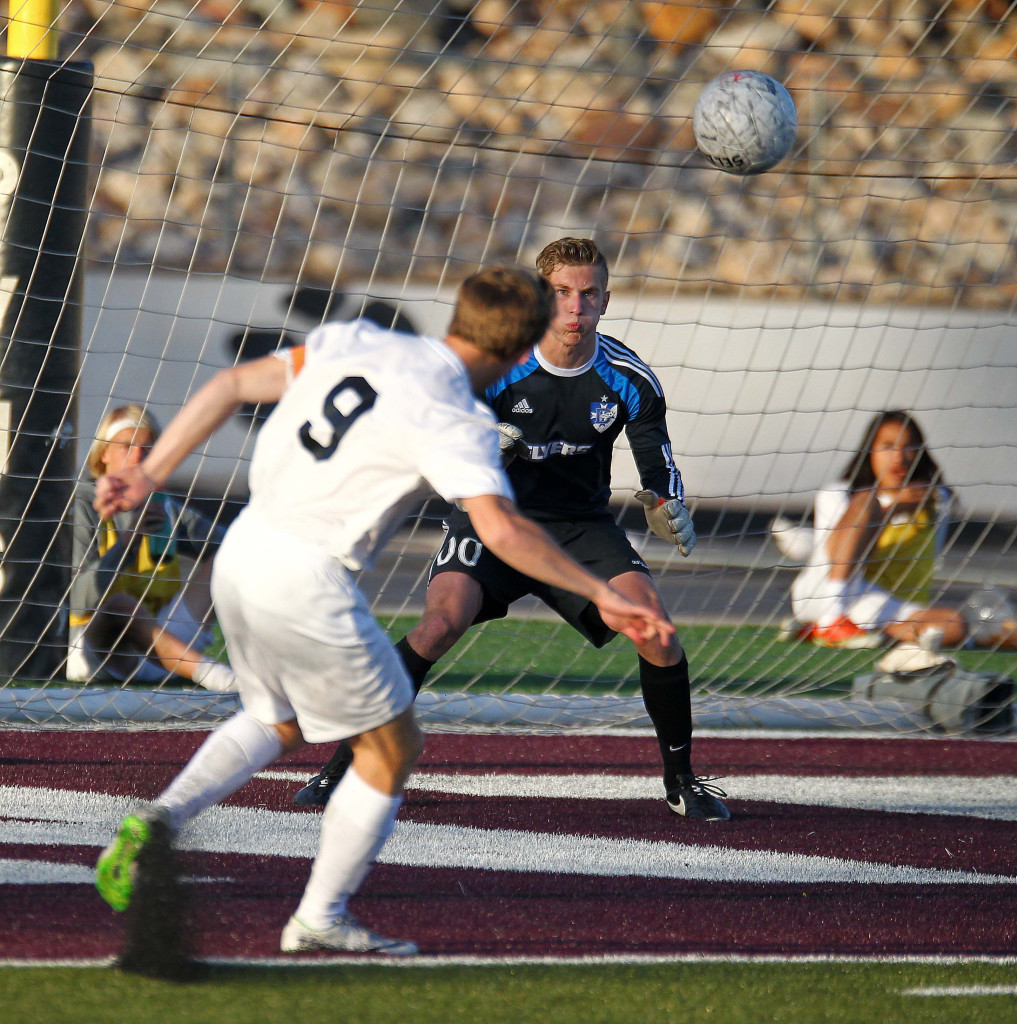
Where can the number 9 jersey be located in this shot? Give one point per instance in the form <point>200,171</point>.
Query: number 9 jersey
<point>371,422</point>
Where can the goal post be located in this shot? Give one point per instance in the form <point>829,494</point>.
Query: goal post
<point>45,163</point>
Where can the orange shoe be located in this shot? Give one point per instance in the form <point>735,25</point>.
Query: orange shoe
<point>843,633</point>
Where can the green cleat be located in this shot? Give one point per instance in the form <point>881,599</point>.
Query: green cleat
<point>115,870</point>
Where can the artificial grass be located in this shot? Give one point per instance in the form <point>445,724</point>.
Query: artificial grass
<point>735,993</point>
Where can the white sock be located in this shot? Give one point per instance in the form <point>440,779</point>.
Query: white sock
<point>357,821</point>
<point>222,764</point>
<point>214,675</point>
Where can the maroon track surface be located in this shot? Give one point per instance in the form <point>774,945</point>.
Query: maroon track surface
<point>468,912</point>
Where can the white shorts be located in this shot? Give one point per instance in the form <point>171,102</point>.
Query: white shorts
<point>300,637</point>
<point>869,607</point>
<point>84,663</point>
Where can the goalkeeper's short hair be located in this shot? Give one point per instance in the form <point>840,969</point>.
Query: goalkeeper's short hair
<point>572,252</point>
<point>502,310</point>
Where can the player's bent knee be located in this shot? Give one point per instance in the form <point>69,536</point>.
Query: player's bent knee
<point>438,632</point>
<point>384,758</point>
<point>408,748</point>
<point>289,734</point>
<point>662,653</point>
<point>411,741</point>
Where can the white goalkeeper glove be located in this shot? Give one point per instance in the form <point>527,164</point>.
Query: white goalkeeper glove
<point>669,519</point>
<point>510,442</point>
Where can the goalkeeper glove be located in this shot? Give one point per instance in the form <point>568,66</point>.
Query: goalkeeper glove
<point>669,519</point>
<point>510,442</point>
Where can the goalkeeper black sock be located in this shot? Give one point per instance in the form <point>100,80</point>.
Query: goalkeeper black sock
<point>417,666</point>
<point>339,761</point>
<point>669,705</point>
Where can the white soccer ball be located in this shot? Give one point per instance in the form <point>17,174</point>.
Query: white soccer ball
<point>744,122</point>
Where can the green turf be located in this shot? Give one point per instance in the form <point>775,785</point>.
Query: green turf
<point>728,993</point>
<point>537,655</point>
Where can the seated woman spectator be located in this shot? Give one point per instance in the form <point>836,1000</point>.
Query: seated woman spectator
<point>133,612</point>
<point>877,533</point>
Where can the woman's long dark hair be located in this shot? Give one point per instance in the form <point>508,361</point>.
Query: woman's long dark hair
<point>858,473</point>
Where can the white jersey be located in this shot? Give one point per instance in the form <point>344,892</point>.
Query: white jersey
<point>373,421</point>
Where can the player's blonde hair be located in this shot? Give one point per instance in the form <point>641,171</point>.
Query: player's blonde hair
<point>123,417</point>
<point>572,252</point>
<point>502,310</point>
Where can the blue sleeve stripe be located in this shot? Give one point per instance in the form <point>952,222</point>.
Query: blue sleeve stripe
<point>517,373</point>
<point>626,357</point>
<point>675,484</point>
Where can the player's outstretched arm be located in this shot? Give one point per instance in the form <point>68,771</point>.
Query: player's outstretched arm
<point>521,543</point>
<point>261,380</point>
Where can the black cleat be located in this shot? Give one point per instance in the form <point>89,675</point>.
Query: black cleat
<point>317,791</point>
<point>695,798</point>
<point>319,787</point>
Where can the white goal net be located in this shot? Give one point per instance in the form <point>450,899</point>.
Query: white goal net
<point>257,166</point>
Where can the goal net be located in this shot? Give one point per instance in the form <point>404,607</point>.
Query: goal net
<point>258,166</point>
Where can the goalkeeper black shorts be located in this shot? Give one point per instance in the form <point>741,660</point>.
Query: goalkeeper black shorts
<point>598,545</point>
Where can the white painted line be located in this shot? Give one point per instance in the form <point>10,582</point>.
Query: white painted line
<point>41,872</point>
<point>432,961</point>
<point>465,960</point>
<point>16,871</point>
<point>508,850</point>
<point>975,991</point>
<point>108,961</point>
<point>31,815</point>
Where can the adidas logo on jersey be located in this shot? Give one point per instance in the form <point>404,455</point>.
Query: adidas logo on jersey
<point>522,406</point>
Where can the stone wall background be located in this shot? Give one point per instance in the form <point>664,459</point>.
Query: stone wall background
<point>327,142</point>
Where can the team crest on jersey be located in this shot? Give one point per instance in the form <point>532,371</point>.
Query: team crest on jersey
<point>603,414</point>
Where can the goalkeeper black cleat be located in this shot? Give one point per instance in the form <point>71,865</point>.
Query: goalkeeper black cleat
<point>319,787</point>
<point>695,798</point>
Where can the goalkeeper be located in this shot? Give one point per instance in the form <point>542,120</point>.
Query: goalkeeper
<point>561,410</point>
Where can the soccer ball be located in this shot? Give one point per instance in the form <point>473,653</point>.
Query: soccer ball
<point>744,122</point>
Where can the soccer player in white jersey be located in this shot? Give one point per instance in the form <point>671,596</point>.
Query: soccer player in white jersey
<point>368,421</point>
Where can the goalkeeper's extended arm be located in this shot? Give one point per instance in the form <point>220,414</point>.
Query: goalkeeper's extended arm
<point>669,519</point>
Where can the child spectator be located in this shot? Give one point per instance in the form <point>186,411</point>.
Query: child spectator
<point>134,614</point>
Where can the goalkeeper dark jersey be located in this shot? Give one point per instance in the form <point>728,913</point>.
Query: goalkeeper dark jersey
<point>570,420</point>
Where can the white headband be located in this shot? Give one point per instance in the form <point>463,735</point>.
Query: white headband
<point>124,423</point>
